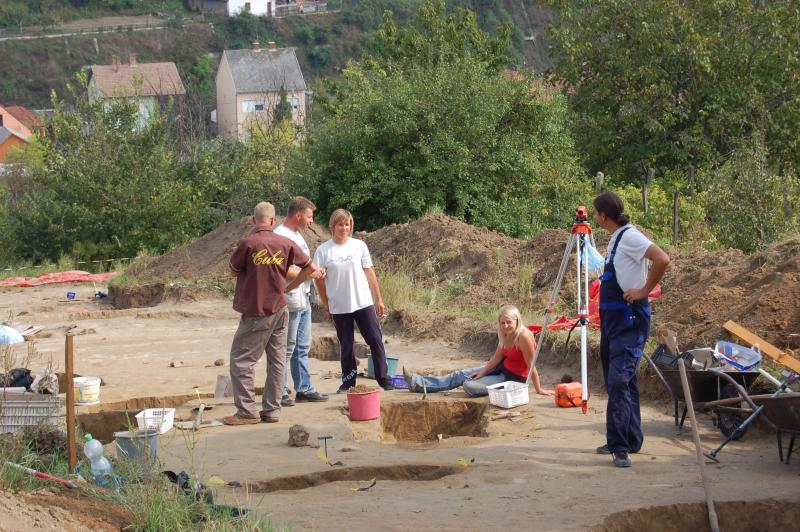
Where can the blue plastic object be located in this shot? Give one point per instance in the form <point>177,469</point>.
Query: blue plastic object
<point>740,357</point>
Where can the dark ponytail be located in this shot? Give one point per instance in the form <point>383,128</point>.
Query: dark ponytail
<point>611,205</point>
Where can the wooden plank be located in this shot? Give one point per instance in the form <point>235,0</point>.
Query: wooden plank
<point>781,357</point>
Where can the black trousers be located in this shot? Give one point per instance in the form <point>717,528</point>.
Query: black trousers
<point>370,329</point>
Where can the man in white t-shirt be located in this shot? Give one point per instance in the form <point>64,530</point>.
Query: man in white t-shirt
<point>624,322</point>
<point>299,217</point>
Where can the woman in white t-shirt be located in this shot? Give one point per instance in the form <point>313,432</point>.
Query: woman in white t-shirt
<point>351,296</point>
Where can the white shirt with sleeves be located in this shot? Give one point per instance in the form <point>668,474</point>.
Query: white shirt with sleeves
<point>630,264</point>
<point>298,239</point>
<point>345,282</point>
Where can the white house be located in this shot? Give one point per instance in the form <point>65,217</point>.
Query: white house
<point>250,85</point>
<point>234,7</point>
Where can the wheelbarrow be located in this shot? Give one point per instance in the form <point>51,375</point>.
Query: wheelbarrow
<point>707,387</point>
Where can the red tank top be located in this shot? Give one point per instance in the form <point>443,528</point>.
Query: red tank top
<point>514,362</point>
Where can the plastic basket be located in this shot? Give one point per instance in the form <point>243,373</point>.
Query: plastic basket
<point>20,410</point>
<point>158,419</point>
<point>508,394</point>
<point>738,356</point>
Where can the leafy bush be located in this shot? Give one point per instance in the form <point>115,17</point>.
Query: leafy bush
<point>752,205</point>
<point>693,227</point>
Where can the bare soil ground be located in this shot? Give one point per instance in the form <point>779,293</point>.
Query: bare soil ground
<point>530,472</point>
<point>439,463</point>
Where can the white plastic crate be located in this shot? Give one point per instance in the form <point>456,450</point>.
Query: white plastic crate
<point>160,419</point>
<point>508,394</point>
<point>20,410</point>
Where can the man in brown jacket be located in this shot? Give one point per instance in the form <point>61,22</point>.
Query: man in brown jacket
<point>260,264</point>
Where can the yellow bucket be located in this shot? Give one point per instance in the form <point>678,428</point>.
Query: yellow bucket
<point>87,390</point>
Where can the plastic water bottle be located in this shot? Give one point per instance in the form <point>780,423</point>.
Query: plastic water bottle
<point>101,467</point>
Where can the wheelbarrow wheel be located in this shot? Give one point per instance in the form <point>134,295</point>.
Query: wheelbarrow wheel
<point>728,422</point>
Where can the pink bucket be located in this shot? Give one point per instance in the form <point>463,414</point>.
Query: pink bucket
<point>364,406</point>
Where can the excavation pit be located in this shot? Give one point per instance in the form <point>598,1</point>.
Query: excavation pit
<point>428,421</point>
<point>407,472</point>
<point>733,516</point>
<point>327,348</point>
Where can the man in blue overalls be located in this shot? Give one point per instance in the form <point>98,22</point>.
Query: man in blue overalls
<point>624,322</point>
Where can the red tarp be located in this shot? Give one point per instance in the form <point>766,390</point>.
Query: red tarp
<point>563,323</point>
<point>74,276</point>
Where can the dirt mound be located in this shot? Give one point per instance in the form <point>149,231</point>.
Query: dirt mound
<point>208,255</point>
<point>738,516</point>
<point>46,510</point>
<point>703,290</point>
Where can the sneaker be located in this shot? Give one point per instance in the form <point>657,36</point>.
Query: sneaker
<point>603,449</point>
<point>388,386</point>
<point>342,389</point>
<point>622,460</point>
<point>240,420</point>
<point>408,376</point>
<point>310,397</point>
<point>287,401</point>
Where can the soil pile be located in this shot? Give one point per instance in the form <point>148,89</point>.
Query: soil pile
<point>477,267</point>
<point>473,267</point>
<point>47,510</point>
<point>208,255</point>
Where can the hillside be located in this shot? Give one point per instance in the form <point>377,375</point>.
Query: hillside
<point>324,42</point>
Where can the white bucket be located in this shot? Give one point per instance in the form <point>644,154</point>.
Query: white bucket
<point>87,390</point>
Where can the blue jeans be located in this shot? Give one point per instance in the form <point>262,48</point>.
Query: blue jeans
<point>298,343</point>
<point>472,387</point>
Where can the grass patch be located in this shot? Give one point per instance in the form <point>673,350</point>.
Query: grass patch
<point>28,269</point>
<point>153,501</point>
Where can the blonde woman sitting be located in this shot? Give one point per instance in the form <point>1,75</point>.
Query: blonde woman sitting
<point>512,360</point>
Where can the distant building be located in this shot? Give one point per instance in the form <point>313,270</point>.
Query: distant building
<point>14,132</point>
<point>151,84</point>
<point>235,7</point>
<point>249,85</point>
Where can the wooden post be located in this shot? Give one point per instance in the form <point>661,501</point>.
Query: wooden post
<point>687,396</point>
<point>599,179</point>
<point>646,190</point>
<point>675,219</point>
<point>692,186</point>
<point>72,456</point>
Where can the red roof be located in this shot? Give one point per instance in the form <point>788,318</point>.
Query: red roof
<point>26,117</point>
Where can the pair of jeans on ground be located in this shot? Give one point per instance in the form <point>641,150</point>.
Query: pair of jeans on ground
<point>472,387</point>
<point>298,343</point>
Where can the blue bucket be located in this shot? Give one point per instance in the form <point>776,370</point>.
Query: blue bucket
<point>390,361</point>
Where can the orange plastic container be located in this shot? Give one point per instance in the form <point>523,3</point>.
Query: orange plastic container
<point>568,394</point>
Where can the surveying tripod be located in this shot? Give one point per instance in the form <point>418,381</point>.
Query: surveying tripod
<point>580,236</point>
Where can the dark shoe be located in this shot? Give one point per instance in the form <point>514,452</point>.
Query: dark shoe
<point>287,401</point>
<point>268,419</point>
<point>342,389</point>
<point>240,420</point>
<point>388,386</point>
<point>622,460</point>
<point>603,449</point>
<point>310,397</point>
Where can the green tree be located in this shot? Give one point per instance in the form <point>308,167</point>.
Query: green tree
<point>101,185</point>
<point>748,199</point>
<point>433,122</point>
<point>676,84</point>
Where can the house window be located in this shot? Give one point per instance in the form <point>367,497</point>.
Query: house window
<point>251,106</point>
<point>294,101</point>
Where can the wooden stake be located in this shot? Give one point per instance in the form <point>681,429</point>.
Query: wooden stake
<point>72,456</point>
<point>687,396</point>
